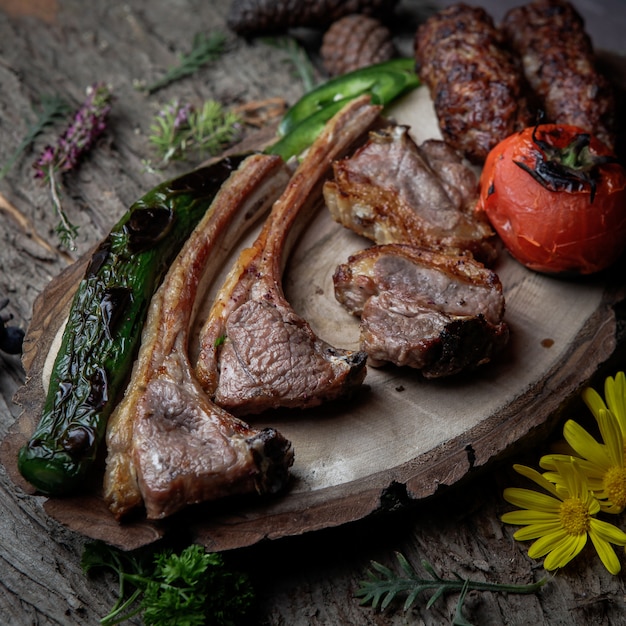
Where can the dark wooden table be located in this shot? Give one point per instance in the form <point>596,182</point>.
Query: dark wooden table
<point>60,47</point>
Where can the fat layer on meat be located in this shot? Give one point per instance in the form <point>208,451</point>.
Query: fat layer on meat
<point>256,352</point>
<point>168,445</point>
<point>477,86</point>
<point>435,312</point>
<point>393,191</point>
<point>560,65</point>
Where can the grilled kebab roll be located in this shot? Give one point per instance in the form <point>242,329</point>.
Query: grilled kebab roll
<point>476,84</point>
<point>559,64</point>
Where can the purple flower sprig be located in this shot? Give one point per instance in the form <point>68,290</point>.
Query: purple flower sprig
<point>87,124</point>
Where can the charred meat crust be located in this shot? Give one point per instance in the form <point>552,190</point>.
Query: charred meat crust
<point>436,312</point>
<point>476,85</point>
<point>393,191</point>
<point>559,64</point>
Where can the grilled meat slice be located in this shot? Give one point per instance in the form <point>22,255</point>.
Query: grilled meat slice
<point>393,191</point>
<point>439,313</point>
<point>168,444</point>
<point>476,85</point>
<point>256,353</point>
<point>559,63</point>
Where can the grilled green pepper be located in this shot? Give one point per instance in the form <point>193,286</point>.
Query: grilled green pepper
<point>107,314</point>
<point>304,120</point>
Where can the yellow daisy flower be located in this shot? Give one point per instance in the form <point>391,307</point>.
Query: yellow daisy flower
<point>615,394</point>
<point>562,521</point>
<point>602,463</point>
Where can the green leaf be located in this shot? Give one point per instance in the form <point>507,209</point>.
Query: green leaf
<point>459,618</point>
<point>388,585</point>
<point>297,56</point>
<point>192,588</point>
<point>52,109</point>
<point>204,49</point>
<point>179,132</point>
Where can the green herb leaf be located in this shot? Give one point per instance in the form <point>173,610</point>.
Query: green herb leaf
<point>297,57</point>
<point>192,588</point>
<point>204,49</point>
<point>387,585</point>
<point>53,108</point>
<point>180,131</point>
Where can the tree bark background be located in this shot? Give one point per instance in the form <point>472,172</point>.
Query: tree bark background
<point>60,47</point>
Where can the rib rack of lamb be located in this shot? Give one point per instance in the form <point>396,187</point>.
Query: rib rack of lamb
<point>168,445</point>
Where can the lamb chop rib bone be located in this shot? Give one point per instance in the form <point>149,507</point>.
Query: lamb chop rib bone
<point>168,444</point>
<point>256,353</point>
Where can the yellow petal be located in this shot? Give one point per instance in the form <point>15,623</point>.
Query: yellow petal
<point>549,462</point>
<point>548,542</point>
<point>565,551</point>
<point>593,400</point>
<point>527,499</point>
<point>606,553</point>
<point>607,532</point>
<point>612,437</point>
<point>534,531</point>
<point>584,444</point>
<point>535,476</point>
<point>615,394</point>
<point>524,517</point>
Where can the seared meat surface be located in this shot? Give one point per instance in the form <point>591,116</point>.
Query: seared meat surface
<point>393,191</point>
<point>476,85</point>
<point>559,63</point>
<point>256,353</point>
<point>439,313</point>
<point>168,444</point>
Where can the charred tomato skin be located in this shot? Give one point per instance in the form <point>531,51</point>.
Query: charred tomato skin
<point>563,228</point>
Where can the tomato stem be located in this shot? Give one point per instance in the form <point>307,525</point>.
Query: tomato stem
<point>571,168</point>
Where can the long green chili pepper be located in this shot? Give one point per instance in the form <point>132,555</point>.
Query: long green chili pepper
<point>304,120</point>
<point>106,318</point>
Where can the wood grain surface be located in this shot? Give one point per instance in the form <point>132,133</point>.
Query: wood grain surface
<point>60,47</point>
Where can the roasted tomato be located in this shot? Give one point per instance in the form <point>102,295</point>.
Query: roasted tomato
<point>557,198</point>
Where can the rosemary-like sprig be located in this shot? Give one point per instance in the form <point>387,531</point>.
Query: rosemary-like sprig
<point>179,131</point>
<point>297,57</point>
<point>204,49</point>
<point>87,124</point>
<point>52,109</point>
<point>381,588</point>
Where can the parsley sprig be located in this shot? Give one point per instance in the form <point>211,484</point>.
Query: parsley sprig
<point>204,49</point>
<point>382,588</point>
<point>192,588</point>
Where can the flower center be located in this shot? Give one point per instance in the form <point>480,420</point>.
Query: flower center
<point>615,485</point>
<point>574,516</point>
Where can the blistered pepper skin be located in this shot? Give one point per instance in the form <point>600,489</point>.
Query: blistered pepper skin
<point>103,331</point>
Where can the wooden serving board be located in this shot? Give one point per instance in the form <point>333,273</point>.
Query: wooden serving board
<point>402,438</point>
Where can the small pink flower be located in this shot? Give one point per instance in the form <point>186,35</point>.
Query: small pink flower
<point>88,123</point>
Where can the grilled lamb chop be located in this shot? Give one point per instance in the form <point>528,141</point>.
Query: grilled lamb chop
<point>256,353</point>
<point>435,312</point>
<point>168,444</point>
<point>393,191</point>
<point>476,85</point>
